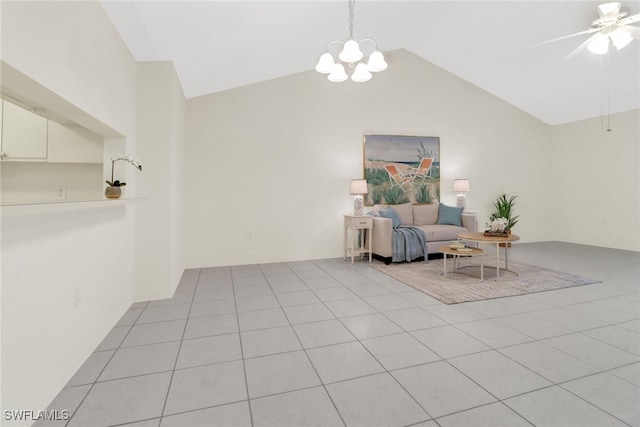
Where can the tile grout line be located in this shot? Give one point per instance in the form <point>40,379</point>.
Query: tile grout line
<point>175,364</point>
<point>379,363</point>
<point>105,365</point>
<point>315,370</point>
<point>345,275</point>
<point>592,404</point>
<point>244,366</point>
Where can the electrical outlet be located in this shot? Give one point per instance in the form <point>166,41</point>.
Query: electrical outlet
<point>62,193</point>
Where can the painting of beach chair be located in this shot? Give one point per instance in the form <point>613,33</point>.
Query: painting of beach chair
<point>423,171</point>
<point>397,178</point>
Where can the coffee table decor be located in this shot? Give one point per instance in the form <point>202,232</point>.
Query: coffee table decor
<point>496,228</point>
<point>425,277</point>
<point>496,233</point>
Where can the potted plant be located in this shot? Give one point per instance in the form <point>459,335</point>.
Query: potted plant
<point>113,191</point>
<point>502,219</point>
<point>503,207</point>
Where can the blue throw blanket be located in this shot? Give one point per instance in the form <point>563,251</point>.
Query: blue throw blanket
<point>409,243</point>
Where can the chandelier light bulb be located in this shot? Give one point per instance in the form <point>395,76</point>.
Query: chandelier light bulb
<point>361,74</point>
<point>599,45</point>
<point>325,63</point>
<point>337,74</point>
<point>350,52</point>
<point>376,62</point>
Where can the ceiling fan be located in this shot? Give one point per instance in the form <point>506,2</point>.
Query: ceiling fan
<point>612,25</point>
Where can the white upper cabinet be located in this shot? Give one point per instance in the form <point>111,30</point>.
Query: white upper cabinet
<point>73,144</point>
<point>29,137</point>
<point>24,134</point>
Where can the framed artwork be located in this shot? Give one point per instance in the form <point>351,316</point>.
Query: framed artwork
<point>402,169</point>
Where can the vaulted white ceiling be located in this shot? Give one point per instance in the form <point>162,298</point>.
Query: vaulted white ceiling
<point>219,45</point>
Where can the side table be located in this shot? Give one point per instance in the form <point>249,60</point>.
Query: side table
<point>446,250</point>
<point>356,224</point>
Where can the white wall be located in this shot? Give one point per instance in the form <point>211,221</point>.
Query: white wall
<point>38,182</point>
<point>596,177</point>
<point>72,49</point>
<point>269,164</point>
<point>160,144</point>
<point>45,259</point>
<point>67,56</point>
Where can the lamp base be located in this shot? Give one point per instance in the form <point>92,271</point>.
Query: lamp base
<point>358,205</point>
<point>461,200</point>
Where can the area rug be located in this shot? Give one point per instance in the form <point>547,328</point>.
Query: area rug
<point>464,287</point>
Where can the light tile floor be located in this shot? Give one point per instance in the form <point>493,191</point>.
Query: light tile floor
<point>326,343</point>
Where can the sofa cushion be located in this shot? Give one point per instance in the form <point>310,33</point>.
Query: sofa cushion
<point>405,212</point>
<point>425,214</point>
<point>392,214</point>
<point>450,215</point>
<point>443,232</point>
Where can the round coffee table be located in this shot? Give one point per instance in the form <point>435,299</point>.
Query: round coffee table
<point>447,250</point>
<point>481,238</point>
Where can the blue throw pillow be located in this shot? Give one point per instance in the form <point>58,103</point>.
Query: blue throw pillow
<point>450,215</point>
<point>390,213</point>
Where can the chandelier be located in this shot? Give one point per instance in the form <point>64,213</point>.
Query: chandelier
<point>351,54</point>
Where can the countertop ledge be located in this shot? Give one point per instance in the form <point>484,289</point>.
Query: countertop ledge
<point>15,210</point>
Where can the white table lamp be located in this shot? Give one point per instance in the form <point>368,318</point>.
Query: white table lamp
<point>461,186</point>
<point>358,188</point>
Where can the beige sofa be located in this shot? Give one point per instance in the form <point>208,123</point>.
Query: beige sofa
<point>424,217</point>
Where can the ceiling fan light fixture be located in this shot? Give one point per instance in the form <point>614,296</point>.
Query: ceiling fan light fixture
<point>599,45</point>
<point>620,38</point>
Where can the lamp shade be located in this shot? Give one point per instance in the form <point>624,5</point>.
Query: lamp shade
<point>359,186</point>
<point>376,62</point>
<point>599,45</point>
<point>350,52</point>
<point>337,74</point>
<point>620,38</point>
<point>361,74</point>
<point>461,185</point>
<point>325,63</point>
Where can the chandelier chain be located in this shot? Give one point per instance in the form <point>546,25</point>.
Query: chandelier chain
<point>352,4</point>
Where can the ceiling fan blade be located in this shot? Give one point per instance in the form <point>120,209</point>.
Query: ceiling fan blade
<point>608,8</point>
<point>629,20</point>
<point>582,47</point>
<point>589,31</point>
<point>634,31</point>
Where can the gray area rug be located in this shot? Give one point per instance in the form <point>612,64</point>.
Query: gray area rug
<point>465,286</point>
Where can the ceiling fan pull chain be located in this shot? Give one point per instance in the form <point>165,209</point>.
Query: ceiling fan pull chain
<point>608,65</point>
<point>602,92</point>
<point>605,69</point>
